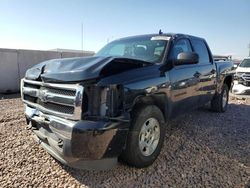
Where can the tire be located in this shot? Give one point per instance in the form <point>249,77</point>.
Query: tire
<point>136,153</point>
<point>217,103</point>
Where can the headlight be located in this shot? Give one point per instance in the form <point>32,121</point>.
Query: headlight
<point>238,77</point>
<point>236,82</point>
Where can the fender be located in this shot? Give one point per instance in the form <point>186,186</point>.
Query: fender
<point>159,99</point>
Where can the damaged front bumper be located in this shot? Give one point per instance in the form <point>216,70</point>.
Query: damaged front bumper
<point>240,89</point>
<point>80,144</point>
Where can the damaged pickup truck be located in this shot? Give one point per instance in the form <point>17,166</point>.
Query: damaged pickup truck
<point>89,111</point>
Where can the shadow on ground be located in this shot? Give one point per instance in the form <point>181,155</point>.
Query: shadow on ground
<point>9,96</point>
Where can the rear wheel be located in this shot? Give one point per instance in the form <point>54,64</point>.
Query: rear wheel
<point>145,137</point>
<point>220,101</point>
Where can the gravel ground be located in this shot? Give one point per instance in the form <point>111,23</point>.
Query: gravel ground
<point>203,149</point>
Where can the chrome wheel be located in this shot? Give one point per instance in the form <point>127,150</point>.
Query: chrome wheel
<point>224,99</point>
<point>149,136</point>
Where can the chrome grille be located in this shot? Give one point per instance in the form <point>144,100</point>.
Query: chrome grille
<point>56,107</point>
<point>62,92</point>
<point>63,100</point>
<point>246,76</point>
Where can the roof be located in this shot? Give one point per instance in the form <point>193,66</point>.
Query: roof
<point>157,34</point>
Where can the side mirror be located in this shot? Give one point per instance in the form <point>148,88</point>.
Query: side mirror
<point>186,58</point>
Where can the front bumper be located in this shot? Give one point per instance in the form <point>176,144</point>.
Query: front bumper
<point>80,144</point>
<point>240,89</point>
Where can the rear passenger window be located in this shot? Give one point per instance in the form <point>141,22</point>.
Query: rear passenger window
<point>180,46</point>
<point>201,49</point>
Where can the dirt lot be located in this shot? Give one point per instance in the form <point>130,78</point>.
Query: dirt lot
<point>204,149</point>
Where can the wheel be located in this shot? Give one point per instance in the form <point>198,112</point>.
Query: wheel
<point>145,138</point>
<point>220,101</point>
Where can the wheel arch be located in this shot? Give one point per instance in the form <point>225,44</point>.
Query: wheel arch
<point>228,80</point>
<point>159,100</point>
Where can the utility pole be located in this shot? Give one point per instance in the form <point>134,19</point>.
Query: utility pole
<point>110,39</point>
<point>82,36</point>
<point>249,49</point>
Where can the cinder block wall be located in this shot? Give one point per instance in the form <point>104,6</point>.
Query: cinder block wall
<point>9,73</point>
<point>14,63</point>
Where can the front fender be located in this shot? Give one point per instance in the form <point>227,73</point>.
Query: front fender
<point>154,91</point>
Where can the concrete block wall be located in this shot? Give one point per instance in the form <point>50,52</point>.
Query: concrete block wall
<point>14,63</point>
<point>70,54</point>
<point>27,59</point>
<point>9,73</point>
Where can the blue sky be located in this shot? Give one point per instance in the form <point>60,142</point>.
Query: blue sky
<point>47,24</point>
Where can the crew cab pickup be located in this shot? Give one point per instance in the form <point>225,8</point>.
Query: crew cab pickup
<point>88,112</point>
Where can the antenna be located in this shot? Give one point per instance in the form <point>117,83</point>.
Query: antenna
<point>160,32</point>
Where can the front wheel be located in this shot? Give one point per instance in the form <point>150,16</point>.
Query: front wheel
<point>145,138</point>
<point>220,101</point>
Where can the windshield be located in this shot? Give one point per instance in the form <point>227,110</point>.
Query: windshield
<point>149,49</point>
<point>245,63</point>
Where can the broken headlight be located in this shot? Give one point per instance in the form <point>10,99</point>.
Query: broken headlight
<point>104,101</point>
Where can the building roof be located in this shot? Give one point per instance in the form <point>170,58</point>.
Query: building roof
<point>72,51</point>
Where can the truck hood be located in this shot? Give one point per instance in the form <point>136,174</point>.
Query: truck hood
<point>243,69</point>
<point>83,68</point>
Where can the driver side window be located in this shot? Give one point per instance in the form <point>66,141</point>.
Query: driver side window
<point>180,46</point>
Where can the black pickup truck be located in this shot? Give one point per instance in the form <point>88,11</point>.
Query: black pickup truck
<point>88,112</point>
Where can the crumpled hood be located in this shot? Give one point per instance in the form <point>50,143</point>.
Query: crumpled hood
<point>82,68</point>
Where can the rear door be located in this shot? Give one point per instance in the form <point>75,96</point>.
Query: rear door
<point>184,82</point>
<point>206,71</point>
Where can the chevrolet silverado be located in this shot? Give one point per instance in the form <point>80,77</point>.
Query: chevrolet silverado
<point>88,112</point>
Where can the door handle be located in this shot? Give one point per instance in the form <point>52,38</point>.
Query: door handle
<point>197,74</point>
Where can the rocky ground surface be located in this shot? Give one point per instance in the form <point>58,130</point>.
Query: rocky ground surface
<point>201,149</point>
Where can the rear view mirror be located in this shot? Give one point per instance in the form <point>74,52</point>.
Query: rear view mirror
<point>186,58</point>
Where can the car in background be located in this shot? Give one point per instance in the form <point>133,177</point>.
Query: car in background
<point>241,83</point>
<point>222,57</point>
